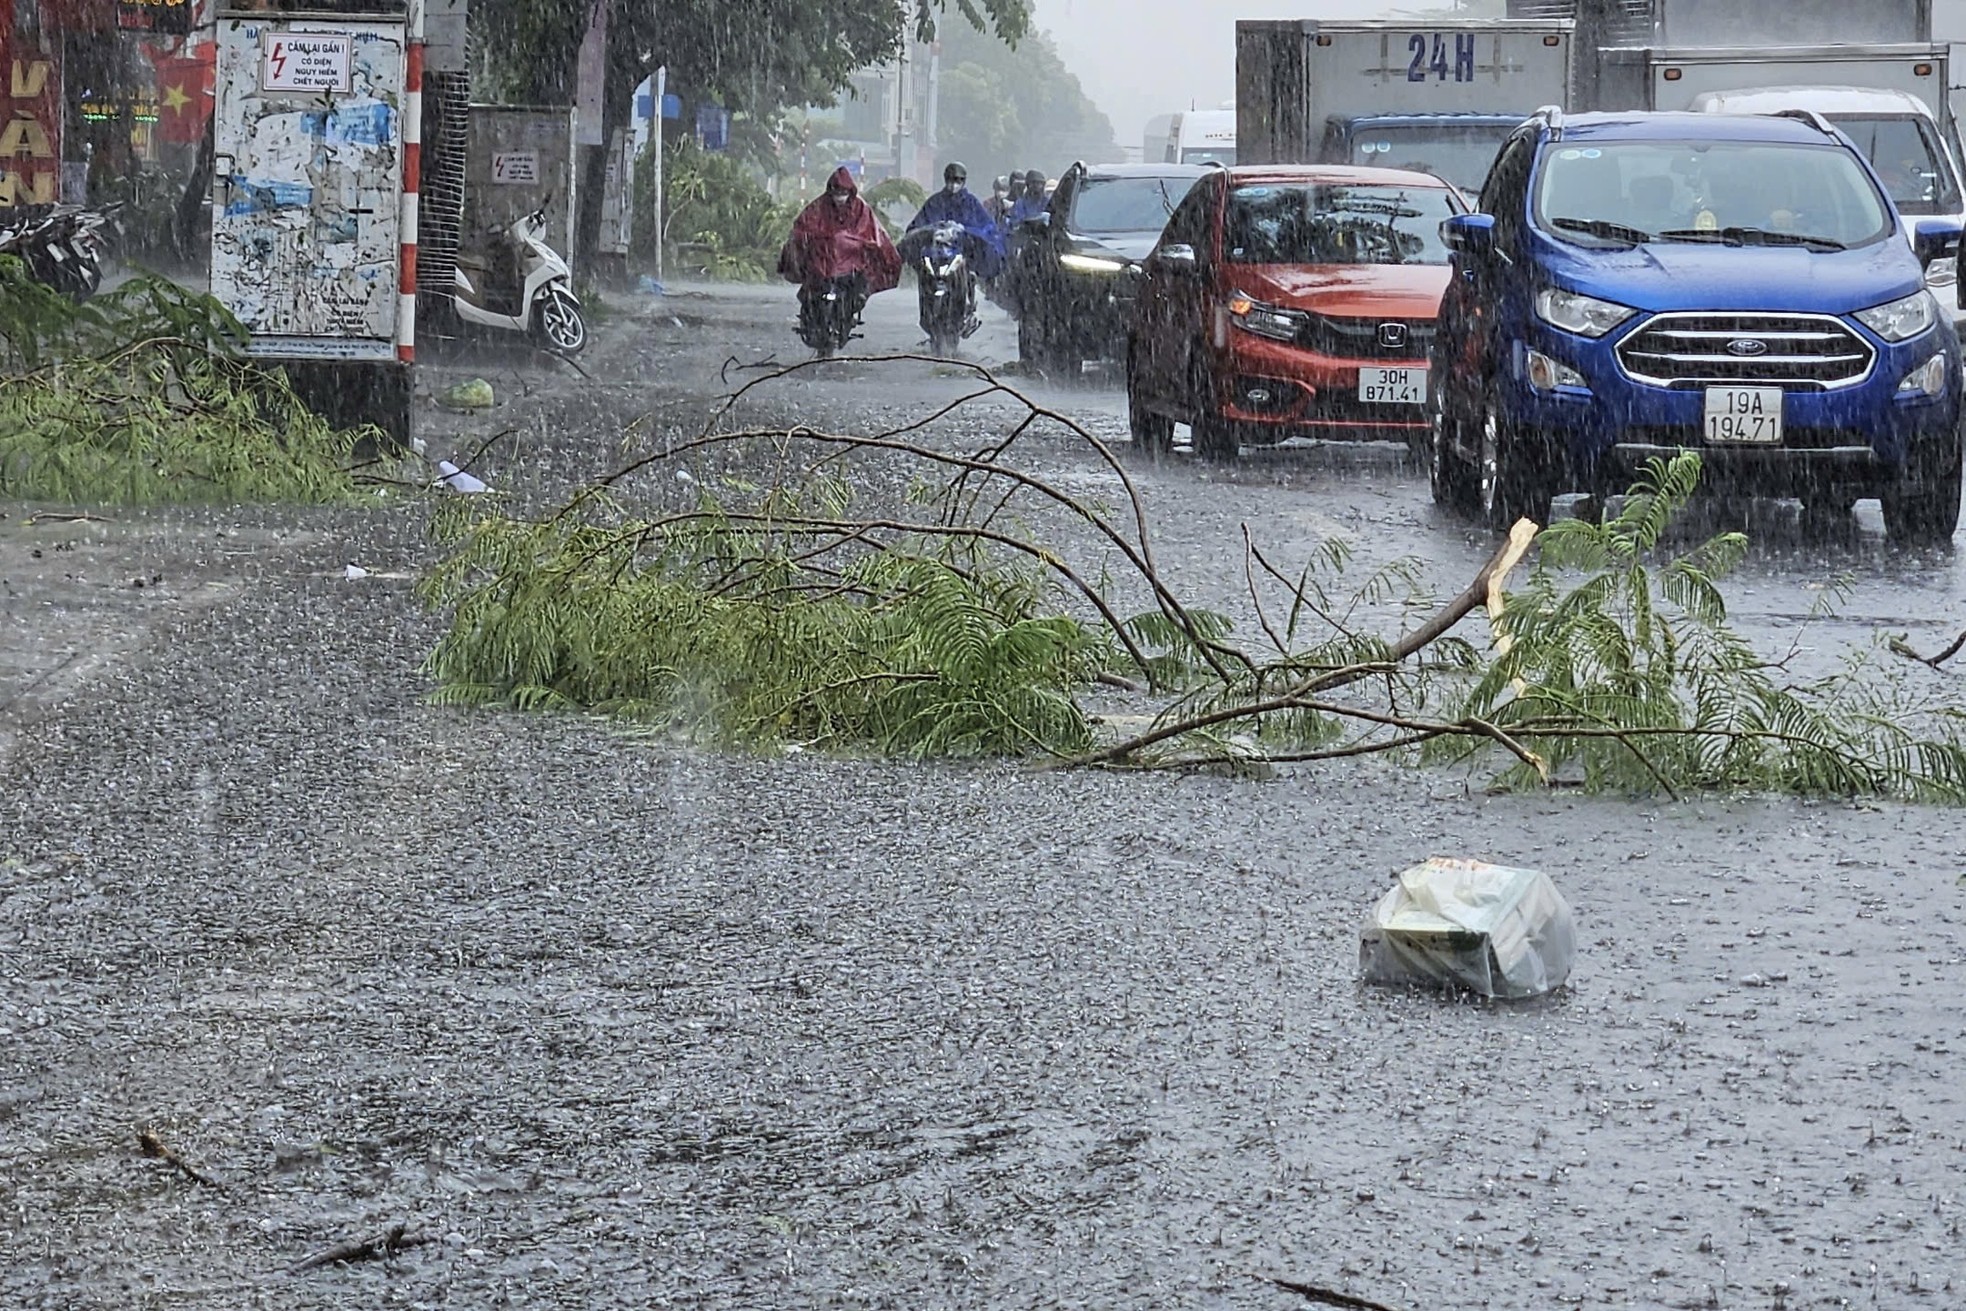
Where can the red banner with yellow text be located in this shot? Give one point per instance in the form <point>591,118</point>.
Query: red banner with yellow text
<point>30,112</point>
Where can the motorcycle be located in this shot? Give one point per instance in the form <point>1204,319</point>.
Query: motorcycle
<point>830,311</point>
<point>520,284</point>
<point>64,247</point>
<point>946,285</point>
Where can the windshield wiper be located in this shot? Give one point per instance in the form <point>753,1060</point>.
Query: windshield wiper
<point>1752,237</point>
<point>1603,228</point>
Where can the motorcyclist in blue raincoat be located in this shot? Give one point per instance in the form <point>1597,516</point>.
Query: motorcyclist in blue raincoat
<point>955,203</point>
<point>1033,202</point>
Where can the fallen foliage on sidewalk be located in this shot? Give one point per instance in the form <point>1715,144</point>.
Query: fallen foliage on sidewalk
<point>143,395</point>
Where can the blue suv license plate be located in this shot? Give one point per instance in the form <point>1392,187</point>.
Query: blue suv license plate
<point>1744,416</point>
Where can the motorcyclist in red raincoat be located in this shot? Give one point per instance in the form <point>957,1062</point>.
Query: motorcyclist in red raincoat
<point>838,240</point>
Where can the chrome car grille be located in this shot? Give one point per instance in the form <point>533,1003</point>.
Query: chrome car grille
<point>1367,339</point>
<point>1802,351</point>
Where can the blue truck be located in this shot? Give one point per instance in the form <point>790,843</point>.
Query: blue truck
<point>1435,96</point>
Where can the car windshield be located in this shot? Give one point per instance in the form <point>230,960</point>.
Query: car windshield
<point>1337,223</point>
<point>1127,204</point>
<point>1905,152</point>
<point>1223,155</point>
<point>1462,155</point>
<point>1623,193</point>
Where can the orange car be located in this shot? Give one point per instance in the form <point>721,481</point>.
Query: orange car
<point>1290,302</point>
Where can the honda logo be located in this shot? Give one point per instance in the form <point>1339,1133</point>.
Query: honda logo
<point>1747,347</point>
<point>1392,335</point>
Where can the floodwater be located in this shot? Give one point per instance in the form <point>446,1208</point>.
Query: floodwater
<point>615,1023</point>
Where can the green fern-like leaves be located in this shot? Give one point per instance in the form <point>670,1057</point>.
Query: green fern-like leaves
<point>1623,671</point>
<point>142,396</point>
<point>721,629</point>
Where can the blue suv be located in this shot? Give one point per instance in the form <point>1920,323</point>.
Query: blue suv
<point>1642,284</point>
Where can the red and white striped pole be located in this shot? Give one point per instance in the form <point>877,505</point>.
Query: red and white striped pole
<point>412,183</point>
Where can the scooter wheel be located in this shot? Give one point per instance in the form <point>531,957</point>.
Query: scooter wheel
<point>558,325</point>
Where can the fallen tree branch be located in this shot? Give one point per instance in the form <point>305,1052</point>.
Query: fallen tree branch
<point>1901,647</point>
<point>153,1146</point>
<point>1325,1296</point>
<point>1480,592</point>
<point>388,1243</point>
<point>53,516</point>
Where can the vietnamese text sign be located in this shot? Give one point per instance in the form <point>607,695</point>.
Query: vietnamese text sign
<point>516,168</point>
<point>306,61</point>
<point>30,122</point>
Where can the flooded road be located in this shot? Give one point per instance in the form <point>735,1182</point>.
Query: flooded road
<point>616,1023</point>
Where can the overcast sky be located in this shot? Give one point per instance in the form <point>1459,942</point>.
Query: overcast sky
<point>1139,58</point>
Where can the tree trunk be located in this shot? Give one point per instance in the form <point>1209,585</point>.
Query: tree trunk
<point>617,108</point>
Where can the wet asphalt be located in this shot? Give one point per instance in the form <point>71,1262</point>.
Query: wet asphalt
<point>614,1022</point>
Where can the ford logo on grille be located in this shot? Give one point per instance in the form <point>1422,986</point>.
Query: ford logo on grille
<point>1747,347</point>
<point>1392,335</point>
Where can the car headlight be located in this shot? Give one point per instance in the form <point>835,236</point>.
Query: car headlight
<point>1587,316</point>
<point>1942,272</point>
<point>1903,319</point>
<point>1091,264</point>
<point>1252,315</point>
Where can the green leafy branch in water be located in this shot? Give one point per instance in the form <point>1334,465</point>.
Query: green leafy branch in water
<point>977,617</point>
<point>144,395</point>
<point>761,626</point>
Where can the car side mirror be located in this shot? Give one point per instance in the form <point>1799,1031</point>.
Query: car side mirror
<point>1180,258</point>
<point>1469,234</point>
<point>1932,238</point>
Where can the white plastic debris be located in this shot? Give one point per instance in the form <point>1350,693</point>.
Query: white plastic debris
<point>1491,929</point>
<point>458,480</point>
<point>354,571</point>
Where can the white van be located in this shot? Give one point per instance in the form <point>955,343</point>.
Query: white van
<point>1202,136</point>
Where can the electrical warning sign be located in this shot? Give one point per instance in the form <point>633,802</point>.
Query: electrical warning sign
<point>306,62</point>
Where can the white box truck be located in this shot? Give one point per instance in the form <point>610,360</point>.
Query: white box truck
<point>1440,95</point>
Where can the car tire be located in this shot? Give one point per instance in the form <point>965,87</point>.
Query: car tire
<point>1152,432</point>
<point>1030,344</point>
<point>1513,477</point>
<point>1924,509</point>
<point>1450,477</point>
<point>1215,438</point>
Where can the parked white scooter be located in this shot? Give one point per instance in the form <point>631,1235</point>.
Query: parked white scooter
<point>520,284</point>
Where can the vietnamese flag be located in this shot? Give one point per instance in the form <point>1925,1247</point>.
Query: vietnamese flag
<point>184,97</point>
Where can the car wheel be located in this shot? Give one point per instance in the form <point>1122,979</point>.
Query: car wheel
<point>1153,433</point>
<point>1924,509</point>
<point>1448,473</point>
<point>1062,360</point>
<point>1216,439</point>
<point>1513,478</point>
<point>1030,344</point>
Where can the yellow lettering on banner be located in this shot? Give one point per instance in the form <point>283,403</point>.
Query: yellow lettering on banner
<point>25,136</point>
<point>40,189</point>
<point>30,80</point>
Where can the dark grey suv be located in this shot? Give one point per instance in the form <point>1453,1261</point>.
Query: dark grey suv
<point>1075,270</point>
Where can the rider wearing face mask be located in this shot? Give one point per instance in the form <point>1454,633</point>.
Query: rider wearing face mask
<point>1032,203</point>
<point>838,236</point>
<point>955,204</point>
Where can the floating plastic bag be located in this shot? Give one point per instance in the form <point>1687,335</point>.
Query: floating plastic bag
<point>1497,931</point>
